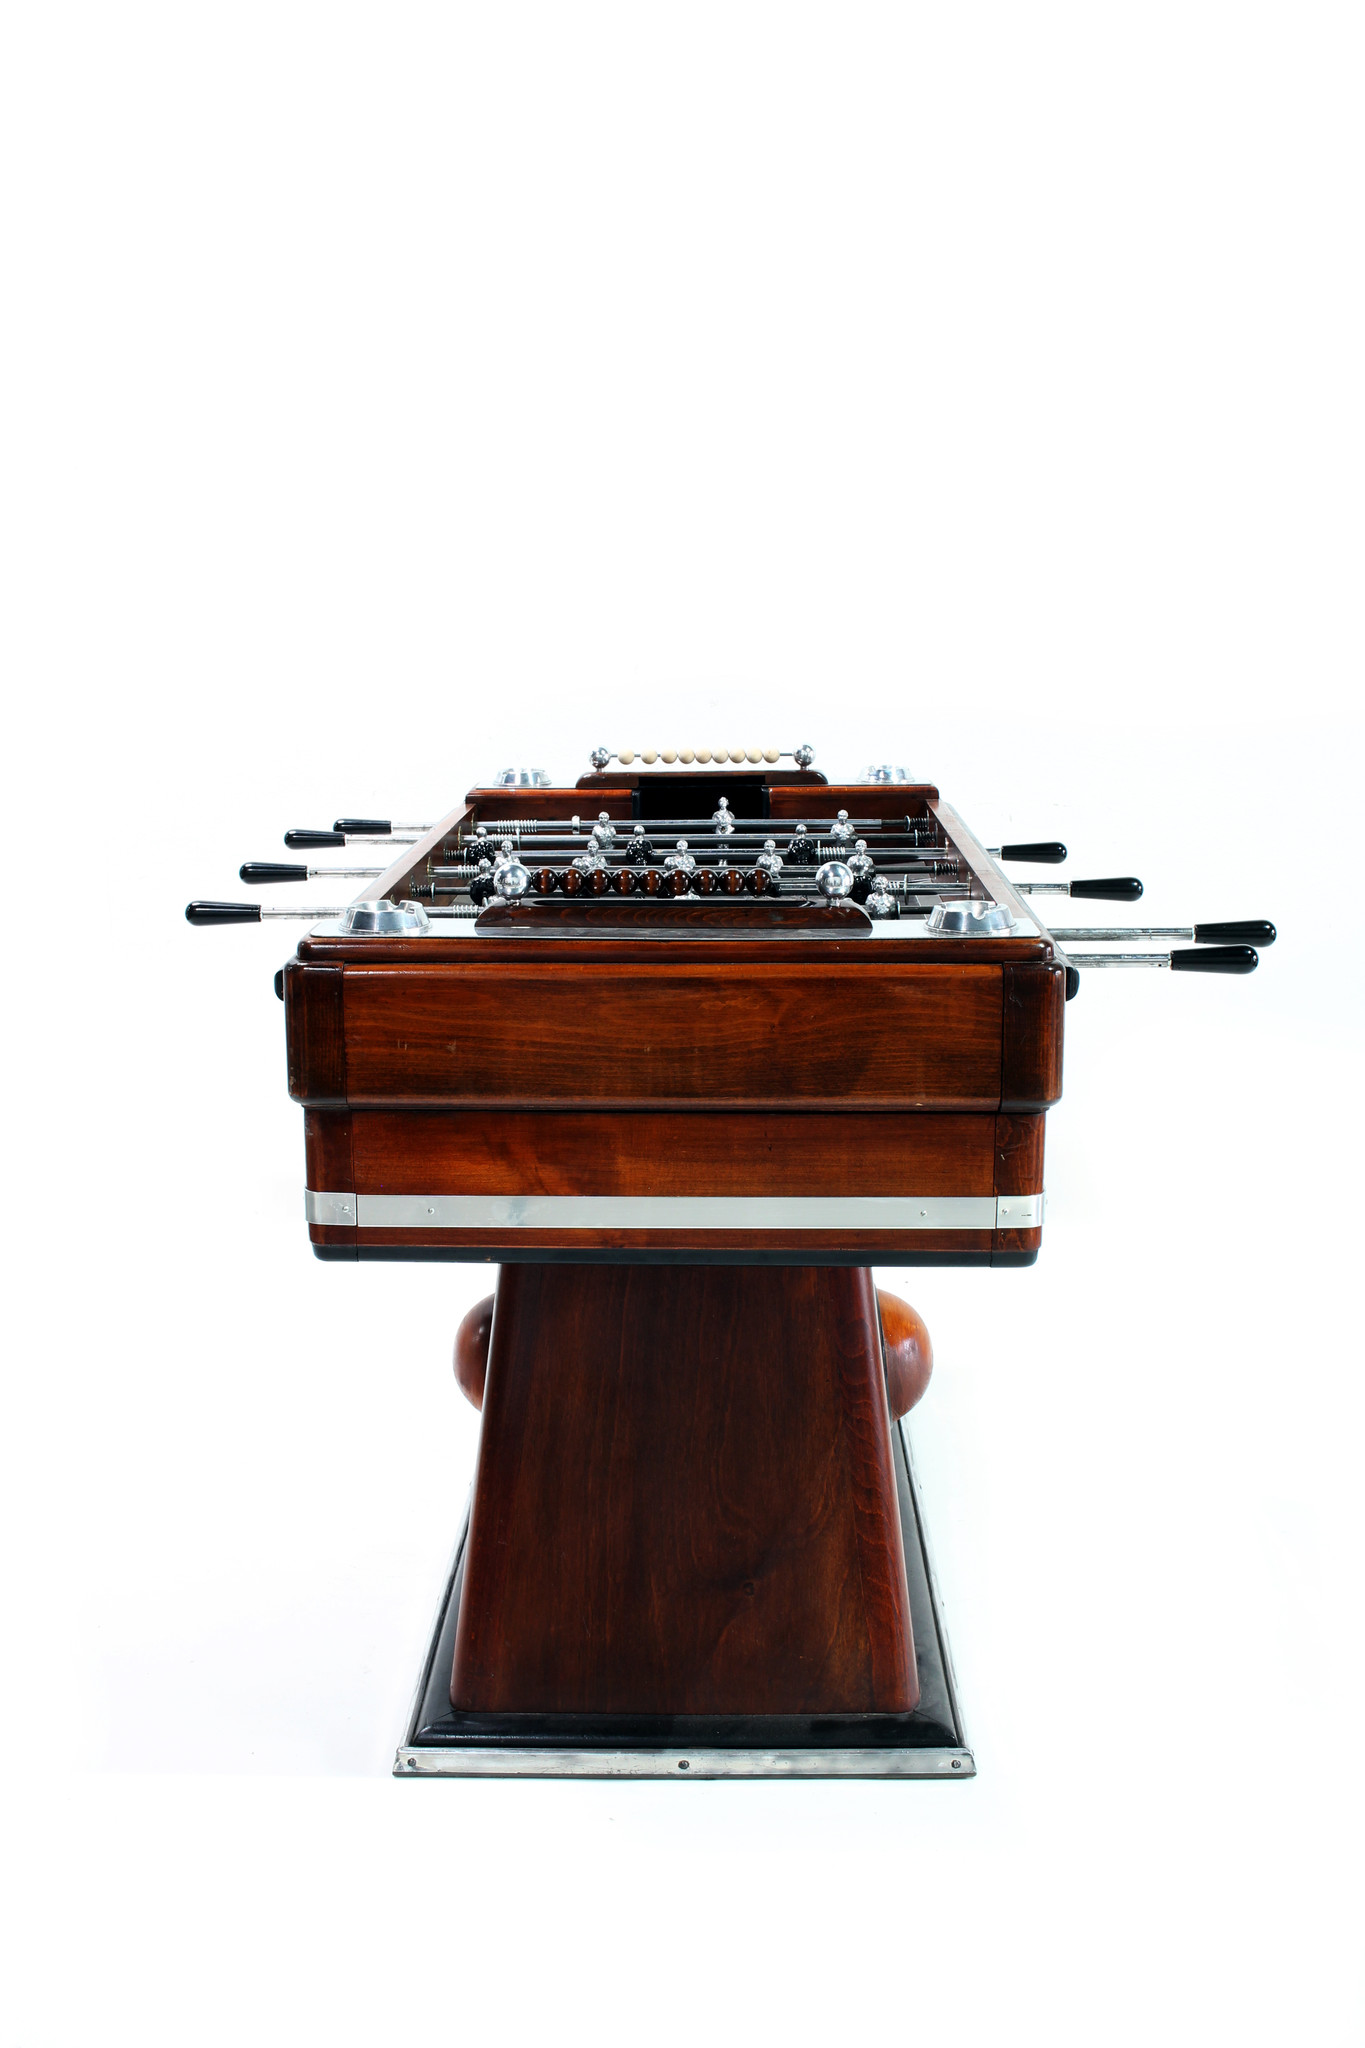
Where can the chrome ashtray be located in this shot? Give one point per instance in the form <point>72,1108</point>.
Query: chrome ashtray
<point>379,915</point>
<point>970,920</point>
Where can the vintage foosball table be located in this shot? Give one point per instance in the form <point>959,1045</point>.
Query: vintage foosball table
<point>684,1049</point>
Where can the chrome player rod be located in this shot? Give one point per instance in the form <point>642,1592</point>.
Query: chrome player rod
<point>383,828</point>
<point>260,913</point>
<point>1114,889</point>
<point>1250,931</point>
<point>260,871</point>
<point>298,838</point>
<point>1202,960</point>
<point>755,828</point>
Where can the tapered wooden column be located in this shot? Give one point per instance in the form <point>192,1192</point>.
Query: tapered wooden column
<point>685,1500</point>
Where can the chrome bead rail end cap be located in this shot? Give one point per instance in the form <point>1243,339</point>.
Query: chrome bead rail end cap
<point>803,756</point>
<point>511,880</point>
<point>834,879</point>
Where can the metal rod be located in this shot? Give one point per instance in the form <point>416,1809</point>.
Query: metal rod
<point>1132,931</point>
<point>814,822</point>
<point>332,910</point>
<point>1119,959</point>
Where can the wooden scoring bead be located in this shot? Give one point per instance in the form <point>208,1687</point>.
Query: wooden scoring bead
<point>909,1354</point>
<point>471,1350</point>
<point>732,881</point>
<point>571,881</point>
<point>546,880</point>
<point>704,881</point>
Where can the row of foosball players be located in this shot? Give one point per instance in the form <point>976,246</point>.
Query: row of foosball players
<point>680,875</point>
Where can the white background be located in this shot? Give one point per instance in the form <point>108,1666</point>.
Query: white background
<point>393,393</point>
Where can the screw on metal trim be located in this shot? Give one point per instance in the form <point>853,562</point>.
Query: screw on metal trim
<point>684,1765</point>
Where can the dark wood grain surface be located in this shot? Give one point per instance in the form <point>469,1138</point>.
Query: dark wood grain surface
<point>1031,1053</point>
<point>680,1032</point>
<point>632,1152</point>
<point>685,1499</point>
<point>315,1033</point>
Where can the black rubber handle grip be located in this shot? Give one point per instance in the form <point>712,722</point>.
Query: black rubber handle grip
<point>1050,852</point>
<point>1117,889</point>
<point>223,913</point>
<point>362,825</point>
<point>299,839</point>
<point>271,871</point>
<point>1253,931</point>
<point>1215,960</point>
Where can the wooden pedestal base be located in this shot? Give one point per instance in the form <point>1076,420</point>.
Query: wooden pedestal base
<point>685,1500</point>
<point>691,1517</point>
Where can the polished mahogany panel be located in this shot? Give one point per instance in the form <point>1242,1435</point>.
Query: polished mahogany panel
<point>315,1035</point>
<point>328,1150</point>
<point>1019,1154</point>
<point>653,1152</point>
<point>685,1500</point>
<point>682,1032</point>
<point>1031,1056</point>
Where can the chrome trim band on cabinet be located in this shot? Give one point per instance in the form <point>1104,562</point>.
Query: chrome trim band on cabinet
<point>676,1212</point>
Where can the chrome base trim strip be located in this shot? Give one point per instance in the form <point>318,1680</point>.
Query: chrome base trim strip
<point>676,1212</point>
<point>503,1762</point>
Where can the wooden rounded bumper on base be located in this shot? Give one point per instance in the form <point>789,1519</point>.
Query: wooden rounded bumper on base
<point>906,1348</point>
<point>471,1349</point>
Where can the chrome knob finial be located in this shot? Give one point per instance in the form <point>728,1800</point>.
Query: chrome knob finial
<point>834,879</point>
<point>599,758</point>
<point>804,756</point>
<point>511,880</point>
